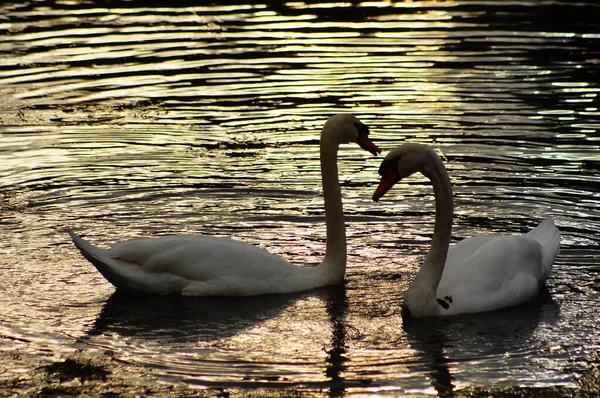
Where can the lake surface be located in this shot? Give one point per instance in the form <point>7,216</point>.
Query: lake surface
<point>126,121</point>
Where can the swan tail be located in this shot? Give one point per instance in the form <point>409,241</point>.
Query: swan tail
<point>548,236</point>
<point>125,275</point>
<point>99,258</point>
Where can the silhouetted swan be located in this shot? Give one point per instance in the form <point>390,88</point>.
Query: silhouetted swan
<point>214,266</point>
<point>477,274</point>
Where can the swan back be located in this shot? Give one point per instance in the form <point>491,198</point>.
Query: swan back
<point>196,266</point>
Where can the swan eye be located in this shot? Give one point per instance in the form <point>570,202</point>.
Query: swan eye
<point>388,164</point>
<point>364,141</point>
<point>362,129</point>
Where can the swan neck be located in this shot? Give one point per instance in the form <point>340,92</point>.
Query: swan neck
<point>334,264</point>
<point>442,231</point>
<point>422,293</point>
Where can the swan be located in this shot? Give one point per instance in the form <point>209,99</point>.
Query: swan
<point>476,274</point>
<point>194,265</point>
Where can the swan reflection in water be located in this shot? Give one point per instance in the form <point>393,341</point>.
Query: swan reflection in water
<point>175,320</point>
<point>469,344</point>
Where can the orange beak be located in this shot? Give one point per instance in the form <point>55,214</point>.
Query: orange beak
<point>366,144</point>
<point>388,179</point>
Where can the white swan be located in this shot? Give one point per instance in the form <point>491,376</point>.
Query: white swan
<point>213,266</point>
<point>477,274</point>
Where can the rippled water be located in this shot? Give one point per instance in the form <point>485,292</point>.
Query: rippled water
<point>131,121</point>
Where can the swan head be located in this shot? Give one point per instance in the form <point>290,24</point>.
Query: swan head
<point>403,161</point>
<point>345,128</point>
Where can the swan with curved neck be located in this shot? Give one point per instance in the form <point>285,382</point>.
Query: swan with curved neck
<point>213,266</point>
<point>477,274</point>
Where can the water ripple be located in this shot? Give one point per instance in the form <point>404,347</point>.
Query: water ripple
<point>134,121</point>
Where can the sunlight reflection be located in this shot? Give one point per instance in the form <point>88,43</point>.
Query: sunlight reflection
<point>130,122</point>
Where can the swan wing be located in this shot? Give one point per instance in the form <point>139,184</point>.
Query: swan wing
<point>461,251</point>
<point>496,272</point>
<point>193,265</point>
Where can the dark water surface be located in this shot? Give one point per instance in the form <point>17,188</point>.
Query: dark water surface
<point>122,121</point>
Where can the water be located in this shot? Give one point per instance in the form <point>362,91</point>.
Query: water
<point>131,121</point>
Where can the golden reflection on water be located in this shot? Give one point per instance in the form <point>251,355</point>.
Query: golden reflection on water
<point>130,122</point>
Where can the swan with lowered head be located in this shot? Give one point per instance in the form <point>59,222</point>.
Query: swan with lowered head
<point>213,266</point>
<point>476,274</point>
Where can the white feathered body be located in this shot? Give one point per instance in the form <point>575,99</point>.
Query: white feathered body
<point>195,266</point>
<point>488,273</point>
